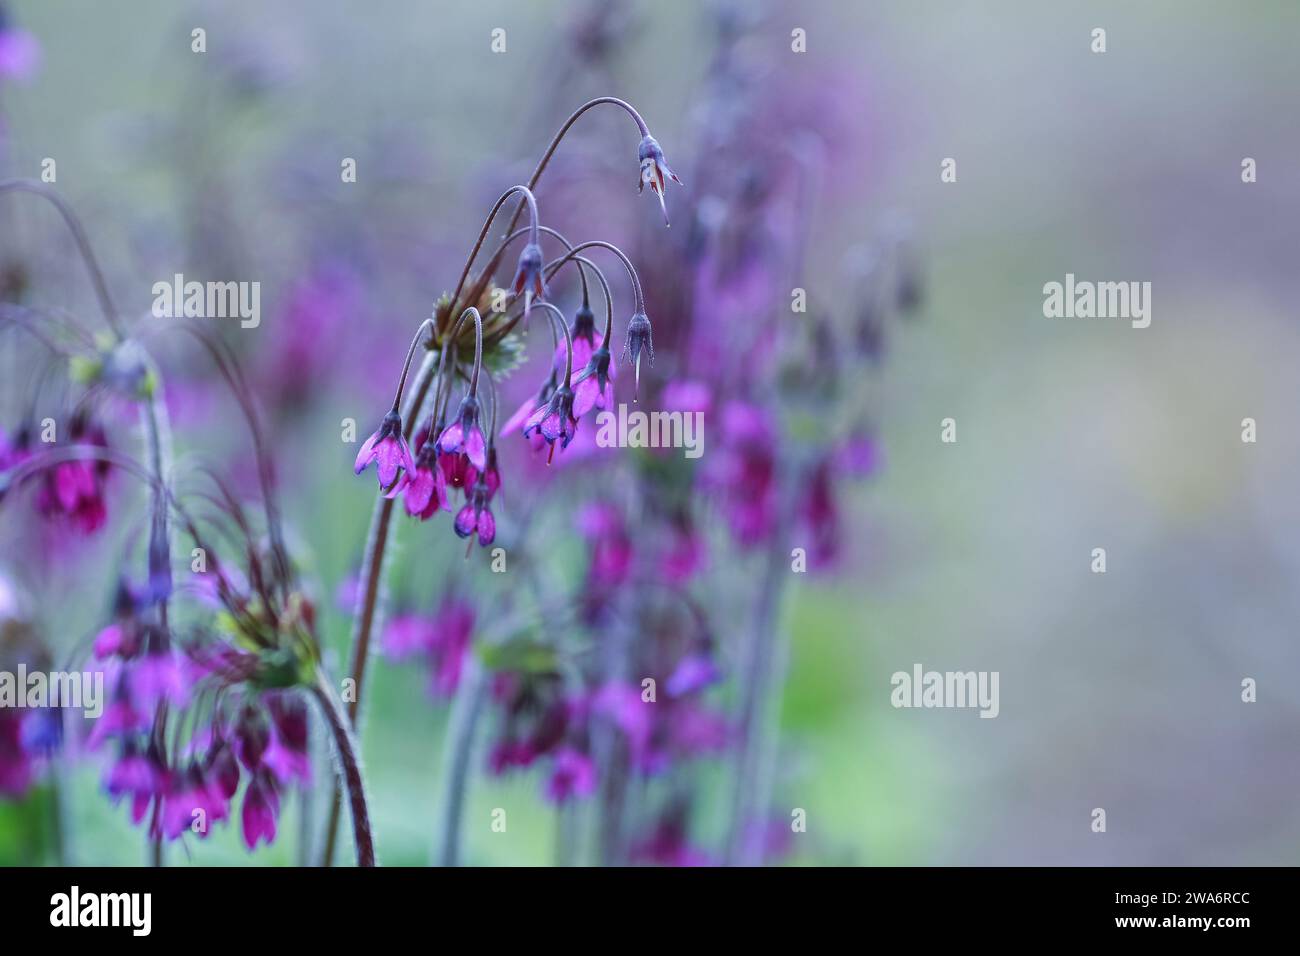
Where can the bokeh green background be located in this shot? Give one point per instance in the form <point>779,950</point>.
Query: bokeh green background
<point>1120,690</point>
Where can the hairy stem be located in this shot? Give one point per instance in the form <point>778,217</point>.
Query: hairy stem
<point>363,623</point>
<point>345,746</point>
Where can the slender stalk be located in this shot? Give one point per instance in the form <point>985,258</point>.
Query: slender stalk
<point>79,237</point>
<point>345,746</point>
<point>372,574</point>
<point>457,748</point>
<point>554,265</point>
<point>487,225</point>
<point>555,141</point>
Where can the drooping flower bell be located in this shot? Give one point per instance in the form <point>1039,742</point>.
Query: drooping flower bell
<point>554,421</point>
<point>465,435</point>
<point>476,515</point>
<point>388,449</point>
<point>75,489</point>
<point>573,774</point>
<point>425,489</point>
<point>655,172</point>
<point>639,342</point>
<point>585,339</point>
<point>594,386</point>
<point>529,281</point>
<point>525,411</point>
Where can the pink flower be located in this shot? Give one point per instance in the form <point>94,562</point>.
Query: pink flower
<point>261,808</point>
<point>572,775</point>
<point>555,420</point>
<point>585,340</point>
<point>464,435</point>
<point>594,386</point>
<point>426,484</point>
<point>476,515</point>
<point>388,449</point>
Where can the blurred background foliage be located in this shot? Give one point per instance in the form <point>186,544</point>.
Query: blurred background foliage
<point>1119,690</point>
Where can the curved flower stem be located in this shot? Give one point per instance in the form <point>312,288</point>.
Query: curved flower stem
<point>555,141</point>
<point>555,264</point>
<point>372,573</point>
<point>406,366</point>
<point>537,175</point>
<point>457,748</point>
<point>568,247</point>
<point>604,284</point>
<point>345,746</point>
<point>528,200</point>
<point>79,237</point>
<point>557,317</point>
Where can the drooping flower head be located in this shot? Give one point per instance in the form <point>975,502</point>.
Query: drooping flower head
<point>465,435</point>
<point>529,281</point>
<point>585,338</point>
<point>525,411</point>
<point>425,489</point>
<point>388,449</point>
<point>655,172</point>
<point>476,515</point>
<point>594,386</point>
<point>639,342</point>
<point>75,489</point>
<point>555,420</point>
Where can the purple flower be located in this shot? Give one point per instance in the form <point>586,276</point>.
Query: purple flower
<point>75,489</point>
<point>694,672</point>
<point>134,773</point>
<point>464,434</point>
<point>388,449</point>
<point>252,737</point>
<point>157,677</point>
<point>476,515</point>
<point>191,798</point>
<point>572,775</point>
<point>222,768</point>
<point>585,340</point>
<point>20,54</point>
<point>286,755</point>
<point>525,411</point>
<point>743,470</point>
<point>818,517</point>
<point>554,421</point>
<point>16,769</point>
<point>261,808</point>
<point>622,704</point>
<point>426,484</point>
<point>684,557</point>
<point>601,524</point>
<point>639,342</point>
<point>443,639</point>
<point>655,172</point>
<point>529,280</point>
<point>594,386</point>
